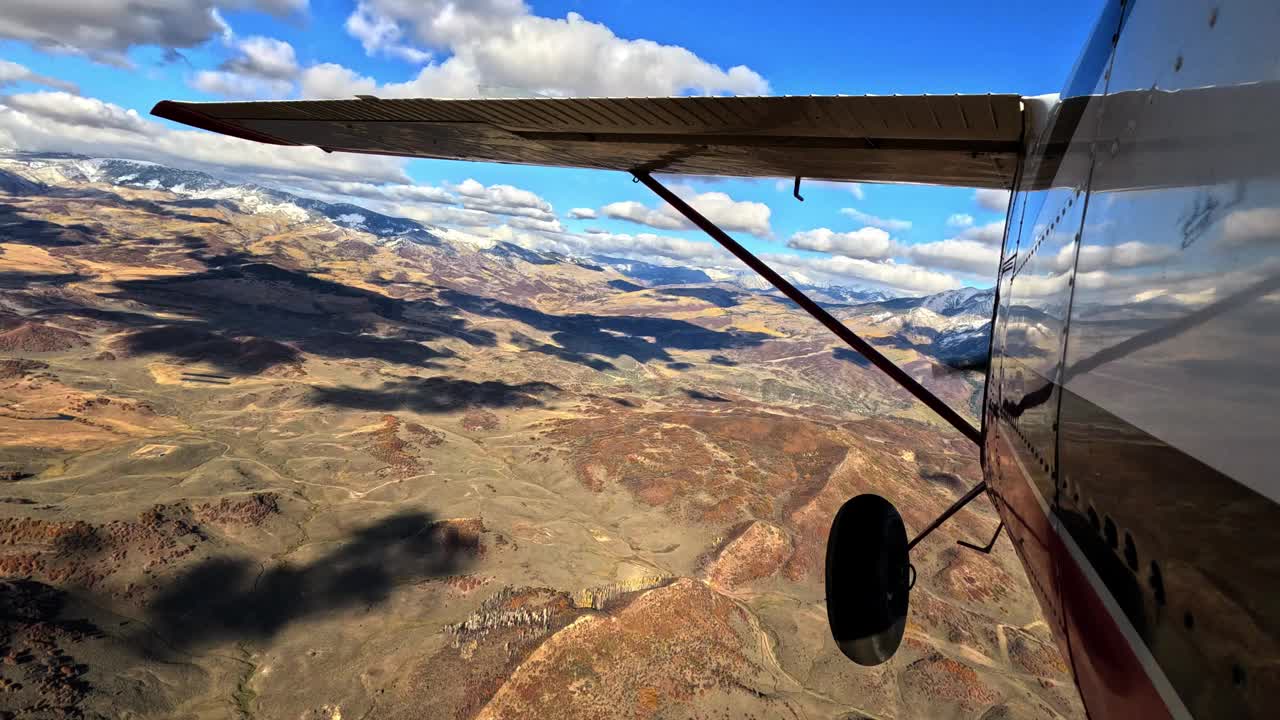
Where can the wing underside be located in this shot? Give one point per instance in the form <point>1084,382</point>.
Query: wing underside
<point>962,140</point>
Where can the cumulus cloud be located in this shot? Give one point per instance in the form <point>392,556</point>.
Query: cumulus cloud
<point>262,67</point>
<point>843,269</point>
<point>105,30</point>
<point>867,243</point>
<point>993,200</point>
<point>719,208</point>
<point>975,250</point>
<point>74,110</point>
<point>890,224</point>
<point>648,245</point>
<point>235,85</point>
<point>960,220</point>
<point>582,213</point>
<point>1253,226</point>
<point>967,256</point>
<point>329,80</point>
<point>1124,255</point>
<point>57,121</point>
<point>264,57</point>
<point>638,213</point>
<point>11,73</point>
<point>991,233</point>
<point>499,48</point>
<point>468,204</point>
<point>411,194</point>
<point>504,200</point>
<point>379,35</point>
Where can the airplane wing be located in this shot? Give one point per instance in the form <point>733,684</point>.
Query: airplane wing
<point>960,140</point>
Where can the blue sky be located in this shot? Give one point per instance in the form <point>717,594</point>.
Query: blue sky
<point>292,48</point>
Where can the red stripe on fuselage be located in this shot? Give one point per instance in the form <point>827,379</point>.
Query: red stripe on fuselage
<point>1117,680</point>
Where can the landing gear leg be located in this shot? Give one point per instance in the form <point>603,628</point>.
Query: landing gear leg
<point>984,549</point>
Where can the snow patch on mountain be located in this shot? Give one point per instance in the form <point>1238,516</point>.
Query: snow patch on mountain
<point>249,197</point>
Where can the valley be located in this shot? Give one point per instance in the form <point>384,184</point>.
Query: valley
<point>263,456</point>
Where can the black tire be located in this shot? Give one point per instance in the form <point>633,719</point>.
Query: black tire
<point>868,579</point>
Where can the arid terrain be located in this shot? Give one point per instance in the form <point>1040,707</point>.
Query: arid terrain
<point>258,462</point>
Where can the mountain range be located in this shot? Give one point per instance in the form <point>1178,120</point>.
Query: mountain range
<point>269,456</point>
<point>258,199</point>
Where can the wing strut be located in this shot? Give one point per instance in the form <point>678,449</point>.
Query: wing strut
<point>786,288</point>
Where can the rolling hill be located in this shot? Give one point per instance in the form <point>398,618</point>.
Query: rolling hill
<point>268,456</point>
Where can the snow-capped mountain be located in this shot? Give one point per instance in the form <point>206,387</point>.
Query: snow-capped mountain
<point>953,326</point>
<point>964,349</point>
<point>651,273</point>
<point>840,294</point>
<point>920,319</point>
<point>248,197</point>
<point>745,279</point>
<point>963,301</point>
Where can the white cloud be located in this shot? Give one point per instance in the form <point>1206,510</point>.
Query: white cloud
<point>498,48</point>
<point>960,220</point>
<point>264,57</point>
<point>643,246</point>
<point>1124,255</point>
<point>234,85</point>
<point>991,234</point>
<point>867,243</point>
<point>1247,227</point>
<point>842,269</point>
<point>447,215</point>
<point>890,224</point>
<point>746,216</point>
<point>501,194</point>
<point>719,208</point>
<point>582,213</point>
<point>468,204</point>
<point>975,250</point>
<point>381,35</point>
<point>105,30</point>
<point>11,73</point>
<point>505,200</point>
<point>856,189</point>
<point>993,200</point>
<point>262,67</point>
<point>967,256</point>
<point>638,213</point>
<point>327,80</point>
<point>56,121</point>
<point>74,110</point>
<point>390,193</point>
<point>648,245</point>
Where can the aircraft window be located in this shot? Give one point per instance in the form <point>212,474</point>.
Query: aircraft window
<point>1188,620</point>
<point>1109,530</point>
<point>1238,676</point>
<point>1130,551</point>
